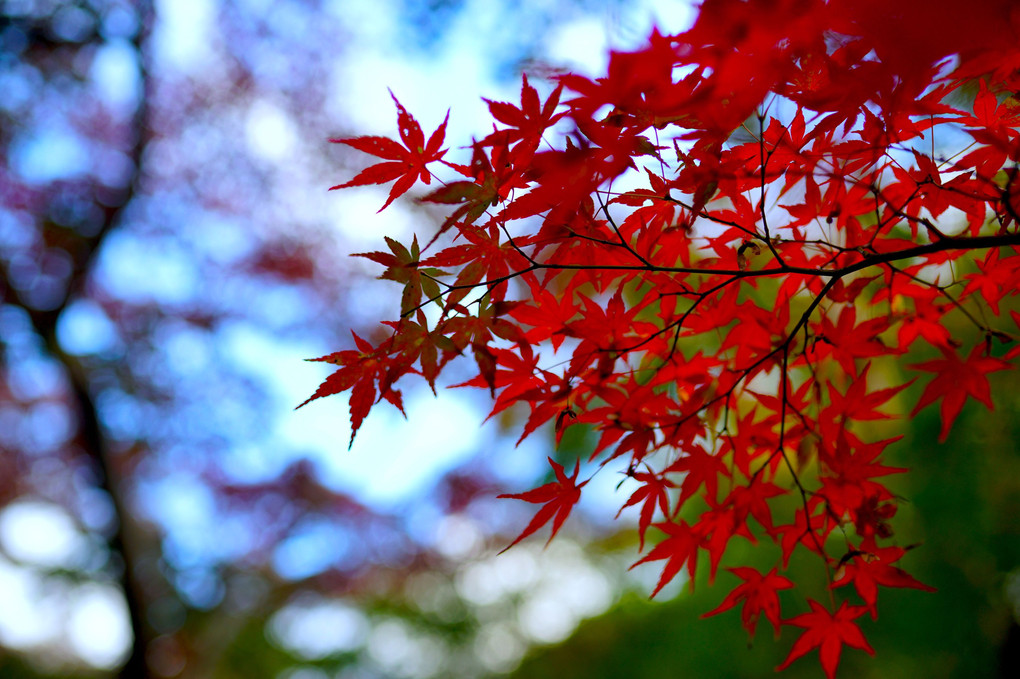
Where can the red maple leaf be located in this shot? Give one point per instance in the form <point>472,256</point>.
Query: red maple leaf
<point>681,547</point>
<point>808,529</point>
<point>360,371</point>
<point>997,279</point>
<point>407,163</point>
<point>849,469</point>
<point>847,340</point>
<point>527,123</point>
<point>957,379</point>
<point>828,631</point>
<point>559,498</point>
<point>717,527</point>
<point>759,594</point>
<point>858,403</point>
<point>870,566</point>
<point>652,492</point>
<point>702,469</point>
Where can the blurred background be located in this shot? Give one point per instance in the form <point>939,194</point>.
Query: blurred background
<point>169,253</point>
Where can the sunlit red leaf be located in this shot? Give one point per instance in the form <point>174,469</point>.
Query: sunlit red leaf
<point>406,163</point>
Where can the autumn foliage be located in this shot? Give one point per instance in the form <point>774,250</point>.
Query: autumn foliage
<point>716,257</point>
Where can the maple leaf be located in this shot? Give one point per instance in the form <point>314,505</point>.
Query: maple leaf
<point>528,122</point>
<point>752,500</point>
<point>403,266</point>
<point>872,515</point>
<point>558,498</point>
<point>996,279</point>
<point>925,320</point>
<point>680,548</point>
<point>638,86</point>
<point>957,379</point>
<point>759,594</point>
<point>652,492</point>
<point>702,469</point>
<point>829,632</point>
<point>492,181</point>
<point>367,374</point>
<point>718,526</point>
<point>849,467</point>
<point>485,259</point>
<point>869,566</point>
<point>405,163</point>
<point>847,340</point>
<point>858,403</point>
<point>547,314</point>
<point>809,529</point>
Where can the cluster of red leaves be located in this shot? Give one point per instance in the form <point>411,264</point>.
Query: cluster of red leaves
<point>704,255</point>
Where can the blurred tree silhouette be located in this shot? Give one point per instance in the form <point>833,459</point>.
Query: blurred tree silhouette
<point>130,244</point>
